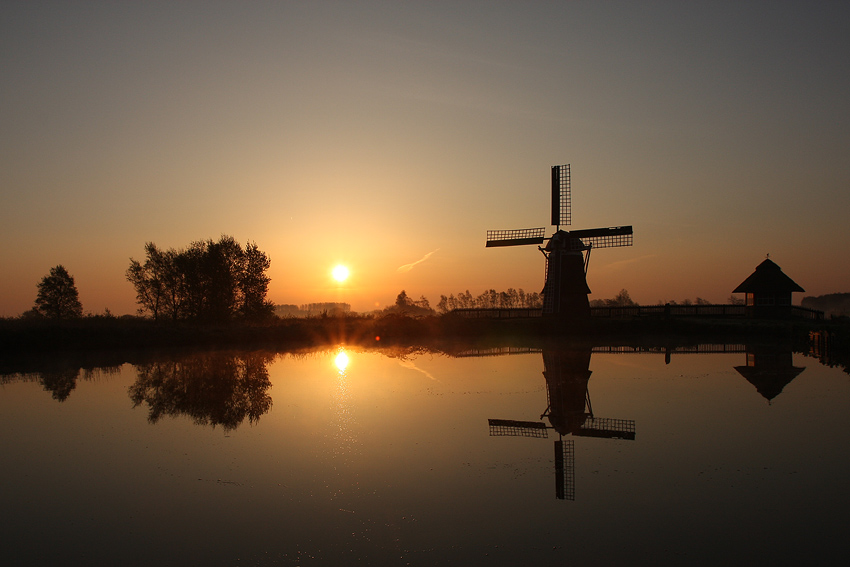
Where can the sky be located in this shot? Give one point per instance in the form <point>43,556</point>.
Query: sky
<point>390,136</point>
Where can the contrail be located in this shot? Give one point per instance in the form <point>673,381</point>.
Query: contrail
<point>408,267</point>
<point>410,365</point>
<point>618,264</point>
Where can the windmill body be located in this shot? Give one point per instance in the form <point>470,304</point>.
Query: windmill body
<point>567,253</point>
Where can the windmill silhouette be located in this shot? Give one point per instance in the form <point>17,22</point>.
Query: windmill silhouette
<point>569,412</point>
<point>565,291</point>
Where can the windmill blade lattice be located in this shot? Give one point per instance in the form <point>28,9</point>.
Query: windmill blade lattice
<point>512,428</point>
<point>515,237</point>
<point>611,237</point>
<point>561,198</point>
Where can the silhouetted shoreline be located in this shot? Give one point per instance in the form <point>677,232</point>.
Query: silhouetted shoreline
<point>24,339</point>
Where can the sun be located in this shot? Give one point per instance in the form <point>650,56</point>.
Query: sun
<point>340,273</point>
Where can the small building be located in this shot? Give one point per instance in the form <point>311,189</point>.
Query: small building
<point>768,292</point>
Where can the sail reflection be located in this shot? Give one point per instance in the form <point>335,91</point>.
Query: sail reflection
<point>215,389</point>
<point>569,412</point>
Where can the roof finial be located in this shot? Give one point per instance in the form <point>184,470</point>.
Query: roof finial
<point>768,256</point>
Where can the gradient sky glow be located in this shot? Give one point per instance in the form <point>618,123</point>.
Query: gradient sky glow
<point>386,135</point>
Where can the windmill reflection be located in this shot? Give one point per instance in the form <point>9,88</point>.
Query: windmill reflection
<point>217,389</point>
<point>569,412</point>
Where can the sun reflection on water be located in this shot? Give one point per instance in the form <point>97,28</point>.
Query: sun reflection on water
<point>344,449</point>
<point>341,361</point>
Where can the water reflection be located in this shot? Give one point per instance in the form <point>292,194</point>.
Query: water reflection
<point>382,458</point>
<point>59,377</point>
<point>216,389</point>
<point>769,368</point>
<point>341,361</point>
<point>344,440</point>
<point>569,412</point>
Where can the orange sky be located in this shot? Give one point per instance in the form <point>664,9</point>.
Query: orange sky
<point>374,134</point>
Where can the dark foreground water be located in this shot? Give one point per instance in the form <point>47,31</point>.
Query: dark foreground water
<point>348,457</point>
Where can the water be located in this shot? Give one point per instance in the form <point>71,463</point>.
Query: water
<point>345,456</point>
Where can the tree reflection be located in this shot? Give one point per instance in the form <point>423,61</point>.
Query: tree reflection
<point>217,389</point>
<point>60,382</point>
<point>59,377</point>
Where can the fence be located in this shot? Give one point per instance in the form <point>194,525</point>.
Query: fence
<point>721,310</point>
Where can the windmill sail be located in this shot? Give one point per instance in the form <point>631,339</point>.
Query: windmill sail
<point>610,237</point>
<point>561,195</point>
<point>511,428</point>
<point>515,237</point>
<point>565,470</point>
<point>608,428</point>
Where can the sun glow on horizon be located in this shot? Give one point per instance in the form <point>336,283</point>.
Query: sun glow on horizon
<point>340,273</point>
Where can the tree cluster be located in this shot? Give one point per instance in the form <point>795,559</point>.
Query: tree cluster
<point>404,304</point>
<point>832,304</point>
<point>622,299</point>
<point>699,301</point>
<point>490,299</point>
<point>57,295</point>
<point>208,281</point>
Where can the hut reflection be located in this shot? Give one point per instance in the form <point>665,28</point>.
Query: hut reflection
<point>769,368</point>
<point>216,389</point>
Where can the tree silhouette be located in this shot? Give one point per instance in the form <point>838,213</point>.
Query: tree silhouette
<point>254,283</point>
<point>57,295</point>
<point>402,300</point>
<point>209,281</point>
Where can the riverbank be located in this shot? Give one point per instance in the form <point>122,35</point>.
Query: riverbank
<point>91,342</point>
<point>119,333</point>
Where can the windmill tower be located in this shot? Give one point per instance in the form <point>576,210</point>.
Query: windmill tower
<point>567,253</point>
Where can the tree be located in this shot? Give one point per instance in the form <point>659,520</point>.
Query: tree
<point>57,295</point>
<point>622,299</point>
<point>209,280</point>
<point>154,289</point>
<point>254,283</point>
<point>402,300</point>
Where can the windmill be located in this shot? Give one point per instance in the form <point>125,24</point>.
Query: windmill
<point>565,291</point>
<point>569,413</point>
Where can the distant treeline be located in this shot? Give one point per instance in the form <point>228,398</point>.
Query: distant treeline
<point>490,299</point>
<point>622,299</point>
<point>832,304</point>
<point>312,309</point>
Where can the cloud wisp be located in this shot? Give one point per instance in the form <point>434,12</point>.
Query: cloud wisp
<point>407,267</point>
<point>411,366</point>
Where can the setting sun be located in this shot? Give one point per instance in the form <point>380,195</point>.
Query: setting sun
<point>340,273</point>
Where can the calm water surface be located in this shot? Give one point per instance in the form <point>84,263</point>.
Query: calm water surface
<point>346,456</point>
